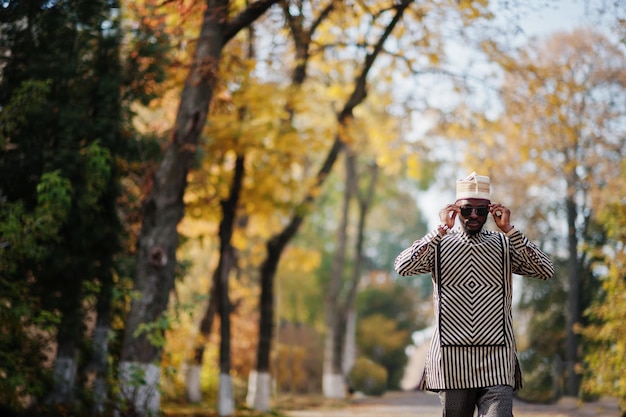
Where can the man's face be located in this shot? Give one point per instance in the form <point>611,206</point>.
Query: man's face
<point>474,213</point>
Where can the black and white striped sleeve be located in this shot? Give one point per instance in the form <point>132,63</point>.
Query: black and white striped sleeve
<point>527,259</point>
<point>419,258</point>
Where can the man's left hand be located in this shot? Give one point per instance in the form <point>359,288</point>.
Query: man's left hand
<point>502,216</point>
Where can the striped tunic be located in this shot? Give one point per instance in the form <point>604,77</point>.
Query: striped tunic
<point>473,344</point>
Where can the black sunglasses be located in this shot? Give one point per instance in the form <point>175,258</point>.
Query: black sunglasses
<point>466,211</point>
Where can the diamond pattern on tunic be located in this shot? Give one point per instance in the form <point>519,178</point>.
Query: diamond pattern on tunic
<point>472,294</point>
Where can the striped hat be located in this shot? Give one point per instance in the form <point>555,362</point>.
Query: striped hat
<point>473,186</point>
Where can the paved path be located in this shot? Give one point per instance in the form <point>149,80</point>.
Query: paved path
<point>424,404</point>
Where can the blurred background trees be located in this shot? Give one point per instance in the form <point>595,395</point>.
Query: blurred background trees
<point>332,135</point>
<point>67,142</point>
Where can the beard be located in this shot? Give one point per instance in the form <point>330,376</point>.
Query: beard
<point>472,227</point>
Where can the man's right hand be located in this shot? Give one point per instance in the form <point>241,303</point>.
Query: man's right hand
<point>448,215</point>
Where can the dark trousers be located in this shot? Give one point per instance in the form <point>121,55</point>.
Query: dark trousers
<point>496,401</point>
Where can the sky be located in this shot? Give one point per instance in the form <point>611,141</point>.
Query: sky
<point>564,15</point>
<point>560,15</point>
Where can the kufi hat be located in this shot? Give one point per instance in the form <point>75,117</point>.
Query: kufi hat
<point>473,186</point>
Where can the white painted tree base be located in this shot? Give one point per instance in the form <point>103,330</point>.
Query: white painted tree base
<point>333,386</point>
<point>259,391</point>
<point>64,379</point>
<point>225,398</point>
<point>99,395</point>
<point>101,349</point>
<point>139,387</point>
<point>192,389</point>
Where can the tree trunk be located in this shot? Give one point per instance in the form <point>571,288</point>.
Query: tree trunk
<point>349,349</point>
<point>339,308</point>
<point>65,370</point>
<point>66,361</point>
<point>219,288</point>
<point>333,379</point>
<point>259,380</point>
<point>100,343</point>
<point>364,202</point>
<point>192,382</point>
<point>163,210</point>
<point>99,364</point>
<point>226,401</point>
<point>573,305</point>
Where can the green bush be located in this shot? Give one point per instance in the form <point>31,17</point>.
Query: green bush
<point>368,377</point>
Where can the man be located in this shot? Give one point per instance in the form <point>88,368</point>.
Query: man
<point>472,360</point>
